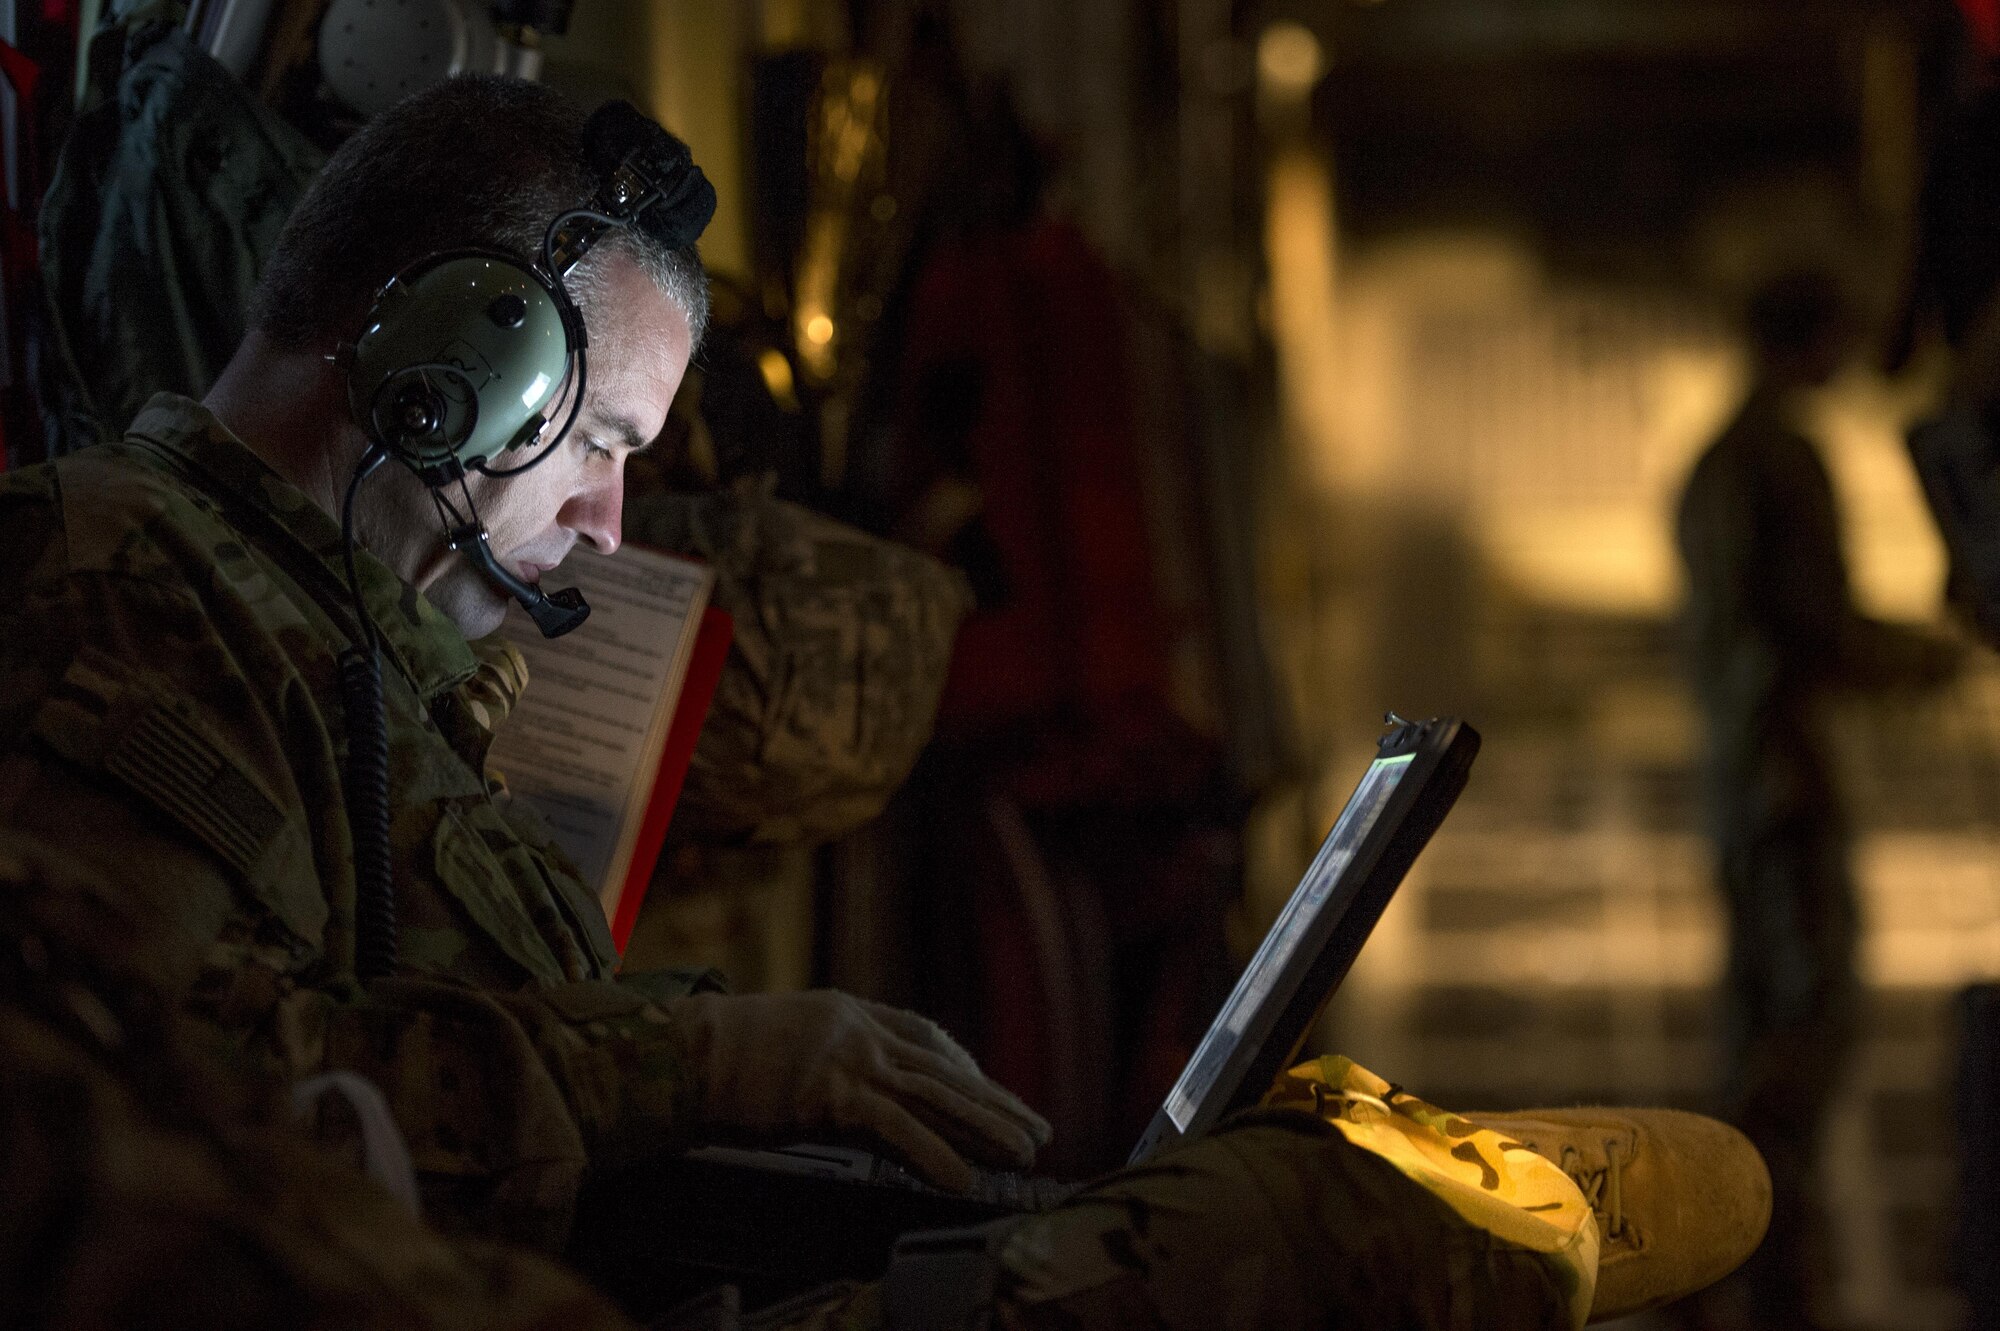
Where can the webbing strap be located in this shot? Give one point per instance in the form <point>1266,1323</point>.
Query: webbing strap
<point>943,1279</point>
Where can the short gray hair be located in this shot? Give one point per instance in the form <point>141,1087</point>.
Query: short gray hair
<point>474,161</point>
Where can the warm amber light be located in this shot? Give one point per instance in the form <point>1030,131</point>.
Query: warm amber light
<point>819,330</point>
<point>777,372</point>
<point>1289,60</point>
<point>1302,242</point>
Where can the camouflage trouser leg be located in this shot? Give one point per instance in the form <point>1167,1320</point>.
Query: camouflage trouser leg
<point>1275,1222</point>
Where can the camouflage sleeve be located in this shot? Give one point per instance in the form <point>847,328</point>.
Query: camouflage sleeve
<point>507,1098</point>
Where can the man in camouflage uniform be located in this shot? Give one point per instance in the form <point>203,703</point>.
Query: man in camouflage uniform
<point>1774,632</point>
<point>167,660</point>
<point>170,717</point>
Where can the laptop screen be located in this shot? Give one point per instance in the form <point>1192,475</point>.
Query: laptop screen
<point>1335,853</point>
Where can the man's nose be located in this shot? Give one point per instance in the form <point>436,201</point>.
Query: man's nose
<point>596,514</point>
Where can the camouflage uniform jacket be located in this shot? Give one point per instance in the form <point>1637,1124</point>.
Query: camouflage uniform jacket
<point>170,617</point>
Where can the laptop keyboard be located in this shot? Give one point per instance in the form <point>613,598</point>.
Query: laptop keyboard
<point>1004,1189</point>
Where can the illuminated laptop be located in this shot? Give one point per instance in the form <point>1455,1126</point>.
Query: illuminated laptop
<point>1418,772</point>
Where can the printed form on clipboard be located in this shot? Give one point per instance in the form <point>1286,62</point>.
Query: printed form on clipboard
<point>600,741</point>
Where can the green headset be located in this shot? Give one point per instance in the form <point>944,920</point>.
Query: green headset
<point>463,352</point>
<point>461,357</point>
<point>458,362</point>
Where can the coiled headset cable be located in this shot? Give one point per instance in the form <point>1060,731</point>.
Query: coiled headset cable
<point>367,761</point>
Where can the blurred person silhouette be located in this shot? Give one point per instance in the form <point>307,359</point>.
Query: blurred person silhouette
<point>1774,635</point>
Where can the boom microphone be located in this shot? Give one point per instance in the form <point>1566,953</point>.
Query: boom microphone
<point>554,613</point>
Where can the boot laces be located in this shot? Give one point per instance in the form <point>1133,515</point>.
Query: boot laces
<point>1602,1185</point>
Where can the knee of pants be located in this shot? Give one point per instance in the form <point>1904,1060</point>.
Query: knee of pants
<point>1275,1221</point>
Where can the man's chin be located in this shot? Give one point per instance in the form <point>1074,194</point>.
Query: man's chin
<point>468,600</point>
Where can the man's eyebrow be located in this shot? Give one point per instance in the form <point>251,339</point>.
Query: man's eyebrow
<point>624,430</point>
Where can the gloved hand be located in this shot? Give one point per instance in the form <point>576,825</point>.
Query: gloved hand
<point>778,1068</point>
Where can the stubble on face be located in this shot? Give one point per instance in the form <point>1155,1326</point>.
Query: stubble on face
<point>399,525</point>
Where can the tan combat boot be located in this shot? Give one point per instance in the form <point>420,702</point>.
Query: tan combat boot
<point>1680,1199</point>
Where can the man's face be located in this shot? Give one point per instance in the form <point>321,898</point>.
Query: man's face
<point>639,348</point>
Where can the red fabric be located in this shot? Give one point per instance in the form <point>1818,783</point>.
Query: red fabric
<point>19,249</point>
<point>1054,455</point>
<point>21,73</point>
<point>1982,19</point>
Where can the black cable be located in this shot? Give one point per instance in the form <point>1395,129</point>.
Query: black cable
<point>368,814</point>
<point>447,513</point>
<point>605,222</point>
<point>367,775</point>
<point>588,214</point>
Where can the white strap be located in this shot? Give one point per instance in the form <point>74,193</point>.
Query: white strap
<point>385,1157</point>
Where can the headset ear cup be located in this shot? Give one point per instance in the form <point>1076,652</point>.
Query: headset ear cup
<point>462,355</point>
<point>417,410</point>
<point>412,418</point>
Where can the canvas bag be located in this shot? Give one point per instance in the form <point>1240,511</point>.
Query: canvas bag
<point>832,683</point>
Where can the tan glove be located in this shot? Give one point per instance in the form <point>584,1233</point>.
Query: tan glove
<point>780,1068</point>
